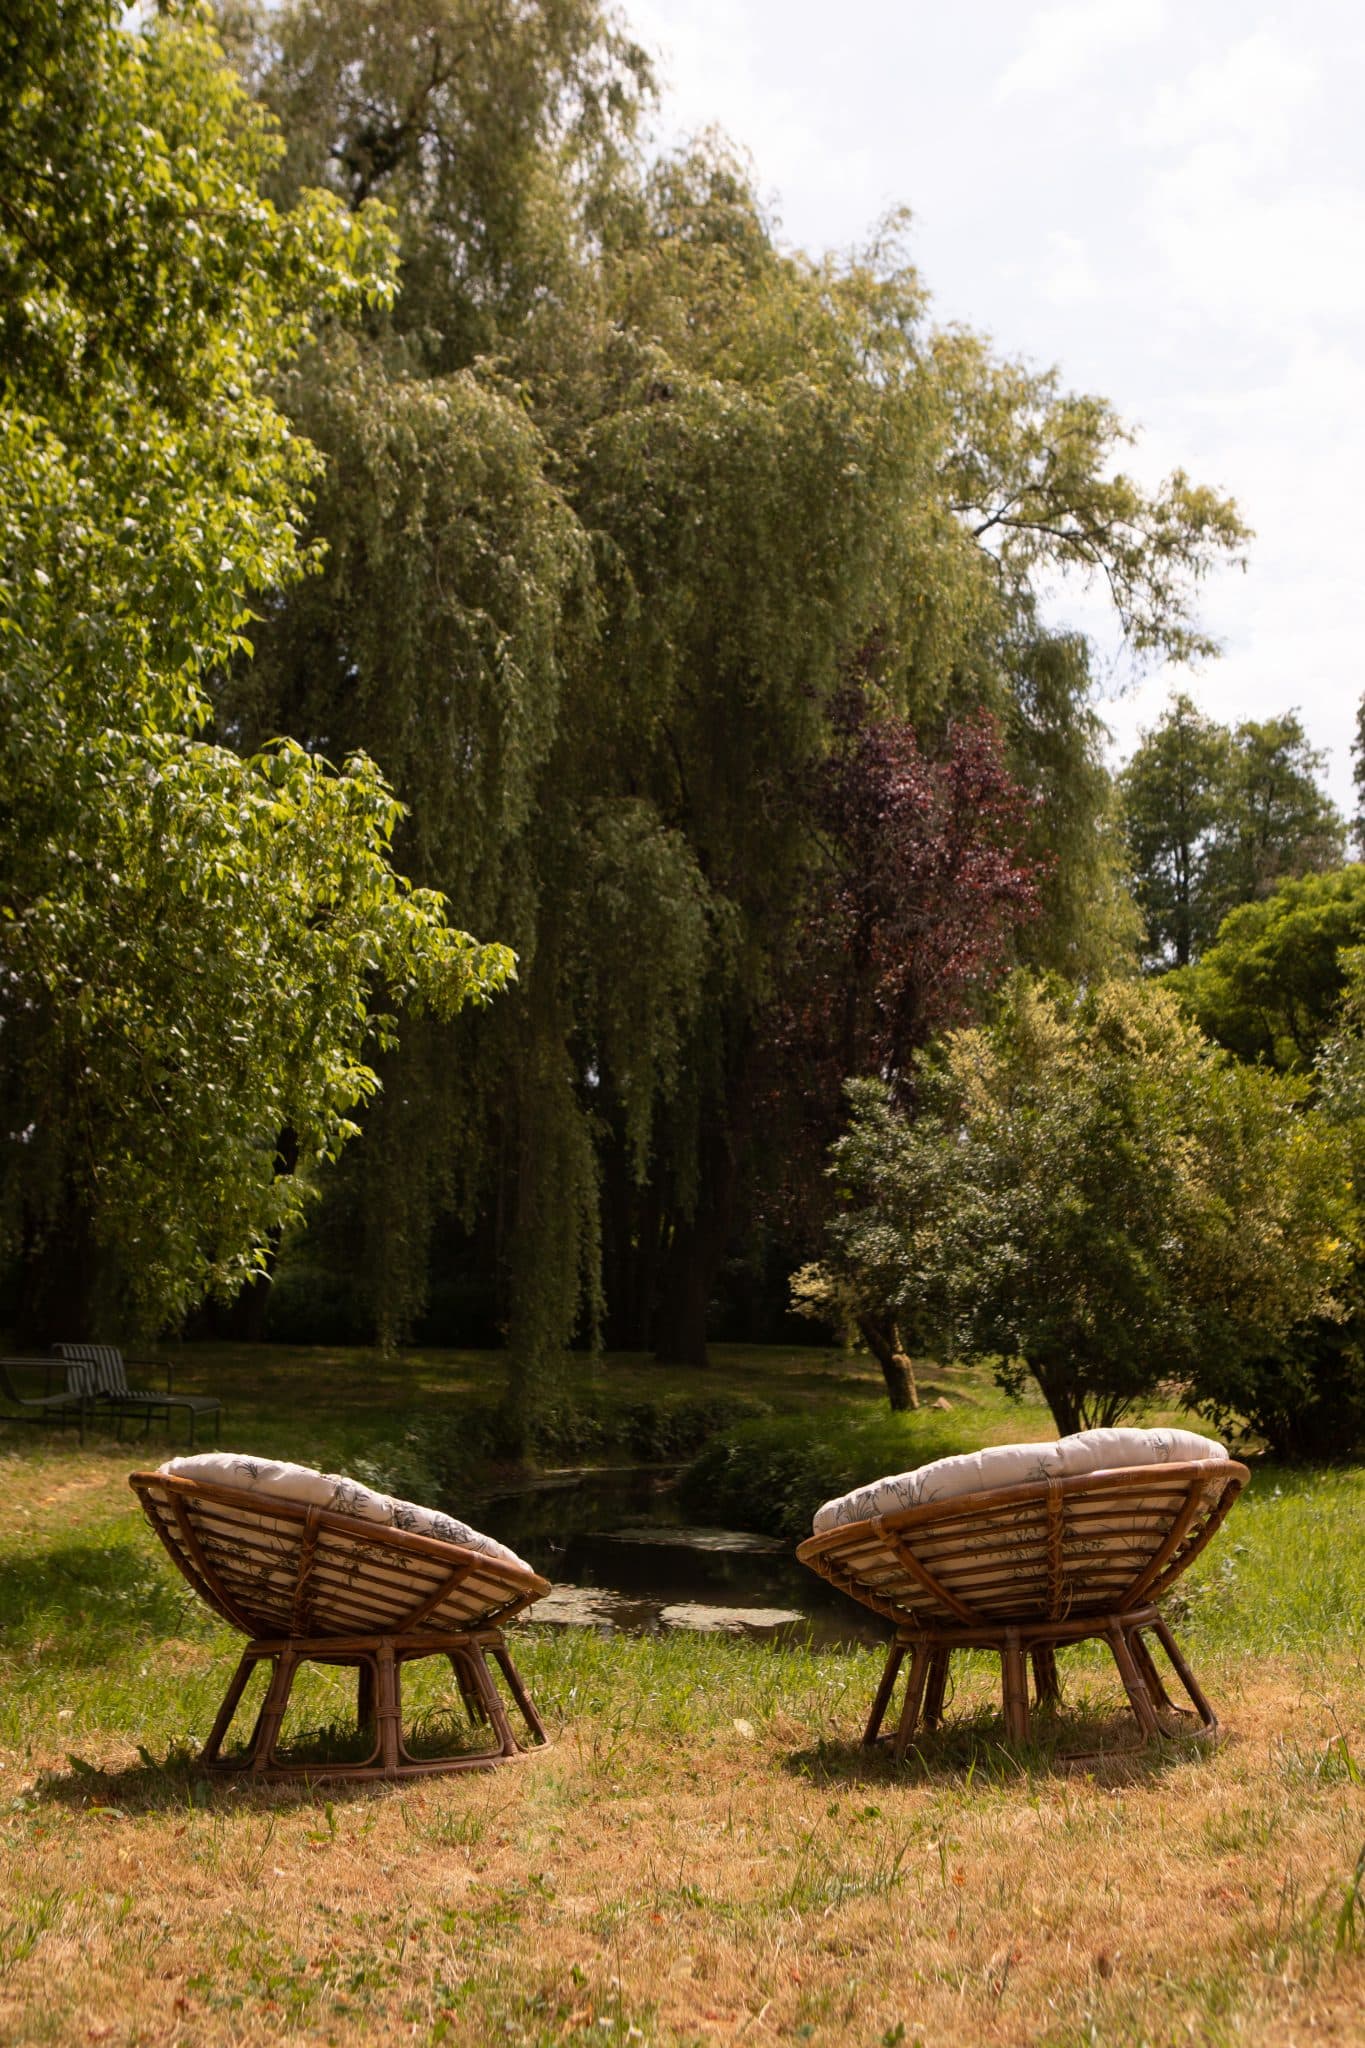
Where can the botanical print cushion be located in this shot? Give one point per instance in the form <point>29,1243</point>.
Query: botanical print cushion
<point>1091,1450</point>
<point>332,1490</point>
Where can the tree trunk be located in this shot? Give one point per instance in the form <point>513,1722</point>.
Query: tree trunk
<point>883,1339</point>
<point>692,1264</point>
<point>1062,1398</point>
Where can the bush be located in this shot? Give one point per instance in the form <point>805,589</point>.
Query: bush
<point>664,1432</point>
<point>309,1304</point>
<point>438,1457</point>
<point>1305,1399</point>
<point>772,1475</point>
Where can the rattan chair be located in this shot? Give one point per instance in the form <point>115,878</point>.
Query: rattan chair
<point>306,1583</point>
<point>1024,1569</point>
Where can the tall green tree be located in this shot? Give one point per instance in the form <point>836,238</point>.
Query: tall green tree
<point>1270,987</point>
<point>1093,1194</point>
<point>1215,817</point>
<point>191,943</point>
<point>594,600</point>
<point>1304,1394</point>
<point>1172,793</point>
<point>1358,779</point>
<point>1278,821</point>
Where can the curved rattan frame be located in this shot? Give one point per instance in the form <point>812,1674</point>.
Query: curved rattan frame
<point>1024,1569</point>
<point>306,1584</point>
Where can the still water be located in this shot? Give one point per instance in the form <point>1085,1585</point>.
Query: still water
<point>620,1557</point>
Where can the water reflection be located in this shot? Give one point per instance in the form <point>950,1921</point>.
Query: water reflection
<point>619,1556</point>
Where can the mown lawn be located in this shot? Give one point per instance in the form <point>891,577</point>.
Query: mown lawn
<point>704,1854</point>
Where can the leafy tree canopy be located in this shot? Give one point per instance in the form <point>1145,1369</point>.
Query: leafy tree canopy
<point>1092,1193</point>
<point>1270,988</point>
<point>187,938</point>
<point>621,498</point>
<point>1217,816</point>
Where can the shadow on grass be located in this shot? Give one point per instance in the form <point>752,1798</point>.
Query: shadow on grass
<point>177,1783</point>
<point>89,1600</point>
<point>973,1752</point>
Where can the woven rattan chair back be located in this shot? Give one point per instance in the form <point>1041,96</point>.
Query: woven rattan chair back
<point>305,1583</point>
<point>1021,1569</point>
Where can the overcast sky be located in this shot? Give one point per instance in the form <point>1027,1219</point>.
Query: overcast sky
<point>1167,202</point>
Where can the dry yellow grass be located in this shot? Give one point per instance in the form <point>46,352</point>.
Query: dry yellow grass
<point>704,1855</point>
<point>763,1882</point>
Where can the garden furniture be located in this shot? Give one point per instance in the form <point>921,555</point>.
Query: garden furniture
<point>316,1568</point>
<point>99,1372</point>
<point>61,1406</point>
<point>1021,1549</point>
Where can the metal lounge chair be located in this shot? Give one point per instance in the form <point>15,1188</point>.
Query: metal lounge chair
<point>60,1406</point>
<point>1081,1542</point>
<point>313,1568</point>
<point>99,1373</point>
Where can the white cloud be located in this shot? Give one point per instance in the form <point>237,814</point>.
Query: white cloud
<point>1064,43</point>
<point>1169,205</point>
<point>1250,92</point>
<point>1067,277</point>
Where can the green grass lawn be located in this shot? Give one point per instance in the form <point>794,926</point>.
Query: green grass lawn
<point>704,1853</point>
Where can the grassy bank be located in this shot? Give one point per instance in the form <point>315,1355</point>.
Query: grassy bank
<point>704,1854</point>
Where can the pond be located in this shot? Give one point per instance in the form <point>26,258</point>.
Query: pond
<point>613,1543</point>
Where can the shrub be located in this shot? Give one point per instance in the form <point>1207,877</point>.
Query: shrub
<point>1306,1398</point>
<point>771,1475</point>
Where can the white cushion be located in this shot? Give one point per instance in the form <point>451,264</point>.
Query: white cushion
<point>1092,1450</point>
<point>331,1490</point>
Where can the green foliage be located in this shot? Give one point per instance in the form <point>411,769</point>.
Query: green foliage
<point>771,1475</point>
<point>494,130</point>
<point>620,495</point>
<point>439,1458</point>
<point>1306,1396</point>
<point>1171,793</point>
<point>189,937</point>
<point>1279,820</point>
<point>1270,988</point>
<point>1092,1193</point>
<point>1217,817</point>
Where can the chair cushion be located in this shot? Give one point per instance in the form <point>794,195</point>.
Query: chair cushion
<point>330,1490</point>
<point>1092,1450</point>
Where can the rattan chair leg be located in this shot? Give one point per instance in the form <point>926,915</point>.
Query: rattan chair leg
<point>936,1687</point>
<point>882,1697</point>
<point>1132,1682</point>
<point>1014,1686</point>
<point>231,1700</point>
<point>495,1710</point>
<point>525,1704</point>
<point>1047,1686</point>
<point>914,1695</point>
<point>1184,1674</point>
<point>272,1712</point>
<point>389,1707</point>
<point>366,1690</point>
<point>469,1688</point>
<point>1151,1677</point>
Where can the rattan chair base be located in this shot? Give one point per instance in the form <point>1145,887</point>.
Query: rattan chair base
<point>378,1661</point>
<point>930,1652</point>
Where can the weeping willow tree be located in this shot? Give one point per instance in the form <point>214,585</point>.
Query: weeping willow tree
<point>620,495</point>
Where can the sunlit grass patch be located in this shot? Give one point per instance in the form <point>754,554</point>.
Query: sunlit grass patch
<point>704,1853</point>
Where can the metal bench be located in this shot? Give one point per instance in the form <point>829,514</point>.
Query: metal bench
<point>60,1405</point>
<point>98,1374</point>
